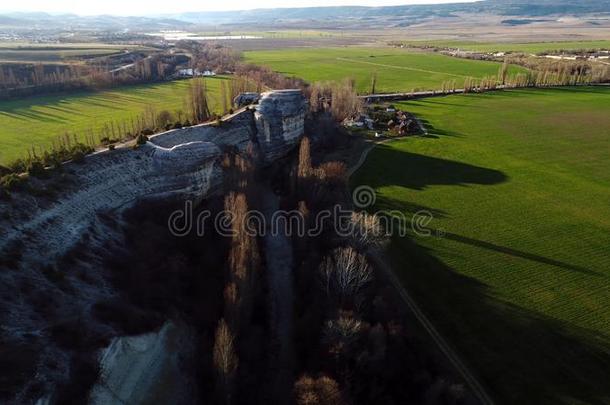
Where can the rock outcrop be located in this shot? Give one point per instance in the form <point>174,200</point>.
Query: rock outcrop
<point>145,369</point>
<point>37,233</point>
<point>280,122</point>
<point>181,163</point>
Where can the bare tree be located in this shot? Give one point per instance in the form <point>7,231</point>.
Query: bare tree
<point>198,101</point>
<point>317,391</point>
<point>366,230</point>
<point>344,274</point>
<point>304,169</point>
<point>345,102</point>
<point>374,82</point>
<point>341,336</point>
<point>225,360</point>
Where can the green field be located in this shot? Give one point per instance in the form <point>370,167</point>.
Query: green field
<point>516,271</point>
<point>529,47</point>
<point>51,53</point>
<point>283,34</point>
<point>397,69</point>
<point>36,121</point>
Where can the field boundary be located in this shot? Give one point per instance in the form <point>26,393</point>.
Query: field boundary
<point>401,67</point>
<point>439,93</point>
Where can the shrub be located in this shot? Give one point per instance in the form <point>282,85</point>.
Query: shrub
<point>12,182</point>
<point>141,139</point>
<point>106,140</point>
<point>341,335</point>
<point>78,156</point>
<point>35,168</point>
<point>164,118</point>
<point>78,152</point>
<point>334,172</point>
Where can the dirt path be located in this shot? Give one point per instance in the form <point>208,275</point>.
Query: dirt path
<point>279,260</point>
<point>455,360</point>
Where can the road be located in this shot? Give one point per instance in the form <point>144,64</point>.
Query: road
<point>439,93</point>
<point>279,260</point>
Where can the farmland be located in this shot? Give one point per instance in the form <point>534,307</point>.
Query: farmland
<point>397,69</point>
<point>44,53</point>
<point>36,121</point>
<point>515,272</point>
<point>529,47</point>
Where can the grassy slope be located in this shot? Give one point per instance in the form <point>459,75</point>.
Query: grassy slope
<point>397,69</point>
<point>38,120</point>
<point>518,275</point>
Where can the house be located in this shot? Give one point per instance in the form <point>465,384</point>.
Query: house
<point>190,72</point>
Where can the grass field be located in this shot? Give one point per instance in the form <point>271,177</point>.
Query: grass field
<point>530,47</point>
<point>49,53</point>
<point>36,121</point>
<point>516,271</point>
<point>397,69</point>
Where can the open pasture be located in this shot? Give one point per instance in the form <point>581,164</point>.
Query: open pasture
<point>396,69</point>
<point>514,266</point>
<point>36,121</point>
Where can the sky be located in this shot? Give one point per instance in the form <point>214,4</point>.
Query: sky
<point>151,7</point>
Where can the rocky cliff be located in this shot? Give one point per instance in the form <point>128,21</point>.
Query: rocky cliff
<point>39,232</point>
<point>279,121</point>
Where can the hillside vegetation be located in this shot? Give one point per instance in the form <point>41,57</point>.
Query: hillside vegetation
<point>516,269</point>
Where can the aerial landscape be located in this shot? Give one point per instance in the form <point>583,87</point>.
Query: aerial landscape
<point>345,202</point>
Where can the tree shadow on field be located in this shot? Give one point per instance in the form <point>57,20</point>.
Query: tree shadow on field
<point>518,253</point>
<point>435,133</point>
<point>415,171</point>
<point>29,115</point>
<point>521,356</point>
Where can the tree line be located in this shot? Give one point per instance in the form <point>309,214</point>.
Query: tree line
<point>24,80</point>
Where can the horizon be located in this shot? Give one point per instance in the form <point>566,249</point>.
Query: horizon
<point>158,8</point>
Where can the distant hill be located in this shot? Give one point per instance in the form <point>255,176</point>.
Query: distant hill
<point>101,22</point>
<point>534,8</point>
<point>338,17</point>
